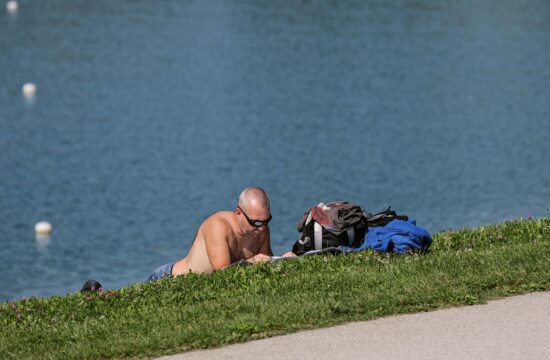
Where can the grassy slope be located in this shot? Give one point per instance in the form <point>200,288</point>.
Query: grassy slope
<point>238,304</point>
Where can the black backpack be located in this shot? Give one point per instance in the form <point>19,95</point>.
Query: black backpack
<point>331,225</point>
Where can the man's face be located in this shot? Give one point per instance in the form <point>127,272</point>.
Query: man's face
<point>254,219</point>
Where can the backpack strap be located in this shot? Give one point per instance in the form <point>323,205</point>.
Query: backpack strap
<point>351,235</point>
<point>317,236</point>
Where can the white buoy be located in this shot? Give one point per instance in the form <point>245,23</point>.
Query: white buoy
<point>43,228</point>
<point>29,90</point>
<point>12,6</point>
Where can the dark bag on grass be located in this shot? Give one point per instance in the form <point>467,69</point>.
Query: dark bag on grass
<point>383,217</point>
<point>331,225</point>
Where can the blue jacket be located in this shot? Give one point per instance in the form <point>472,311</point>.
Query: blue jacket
<point>397,236</point>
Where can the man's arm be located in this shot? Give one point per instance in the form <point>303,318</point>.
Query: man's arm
<point>217,246</point>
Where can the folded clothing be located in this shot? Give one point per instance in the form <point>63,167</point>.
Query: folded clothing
<point>397,236</point>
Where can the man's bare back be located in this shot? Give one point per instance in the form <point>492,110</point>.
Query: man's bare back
<point>228,236</point>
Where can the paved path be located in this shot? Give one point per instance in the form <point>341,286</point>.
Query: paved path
<point>512,328</point>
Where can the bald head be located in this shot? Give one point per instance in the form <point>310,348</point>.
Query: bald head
<point>254,197</point>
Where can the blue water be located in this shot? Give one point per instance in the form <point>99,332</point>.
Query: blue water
<point>151,115</point>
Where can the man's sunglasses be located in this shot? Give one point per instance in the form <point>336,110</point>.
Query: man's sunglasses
<point>254,222</point>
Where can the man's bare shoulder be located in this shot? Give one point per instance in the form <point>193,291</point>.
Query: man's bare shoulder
<point>220,221</point>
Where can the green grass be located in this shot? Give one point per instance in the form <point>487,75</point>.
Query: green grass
<point>239,304</point>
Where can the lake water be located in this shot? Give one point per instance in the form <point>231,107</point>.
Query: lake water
<point>151,115</point>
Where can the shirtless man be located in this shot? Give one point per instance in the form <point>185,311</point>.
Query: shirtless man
<point>227,237</point>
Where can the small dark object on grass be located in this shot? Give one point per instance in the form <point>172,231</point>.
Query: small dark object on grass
<point>91,285</point>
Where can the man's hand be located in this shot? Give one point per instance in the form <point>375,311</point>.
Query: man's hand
<point>289,254</point>
<point>259,258</point>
